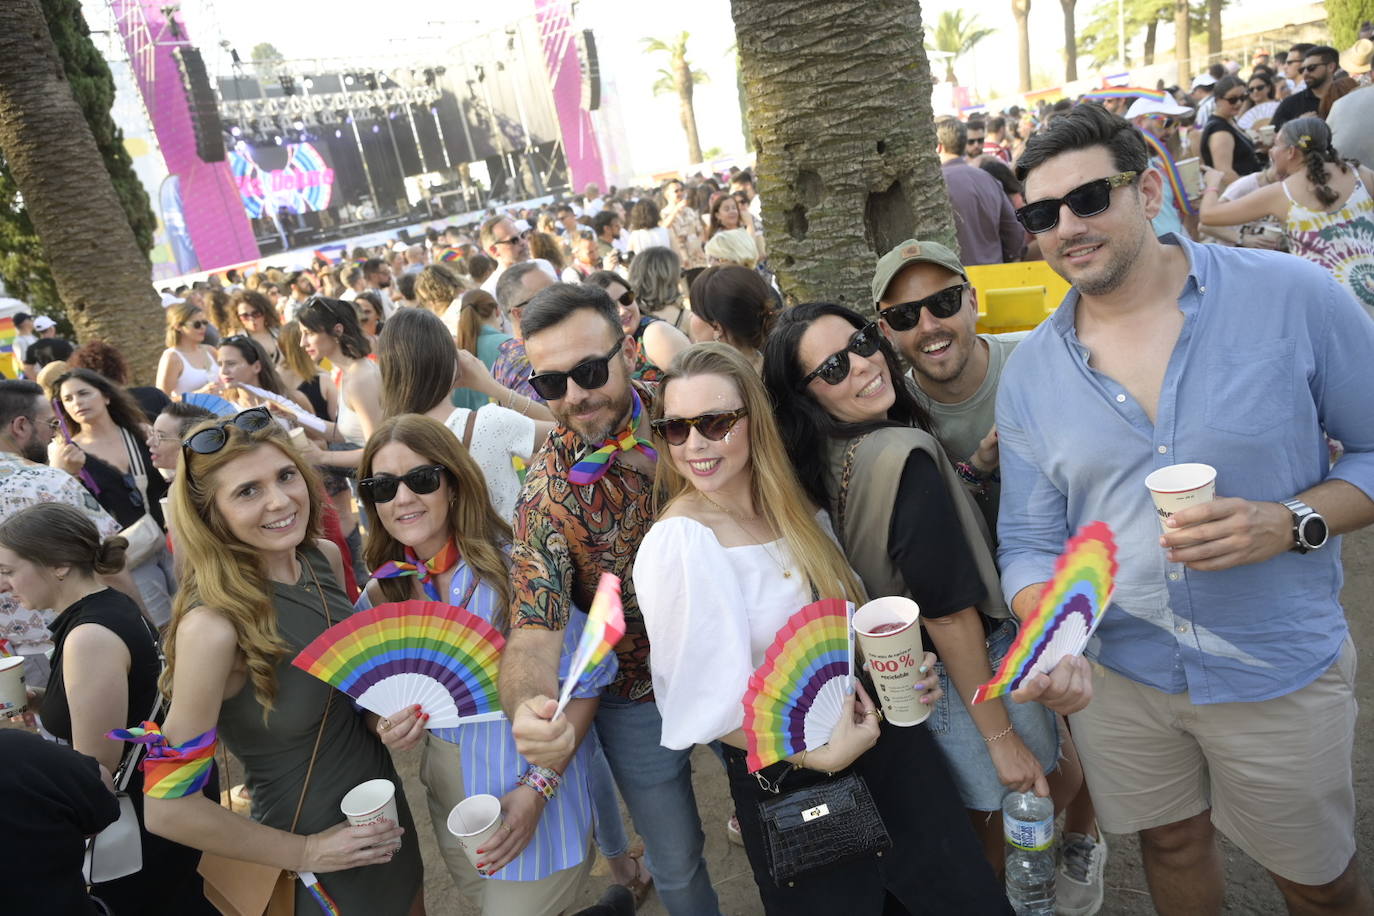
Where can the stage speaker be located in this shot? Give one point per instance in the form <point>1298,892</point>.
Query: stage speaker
<point>203,105</point>
<point>591,70</point>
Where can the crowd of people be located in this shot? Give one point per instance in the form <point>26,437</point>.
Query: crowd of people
<point>495,415</point>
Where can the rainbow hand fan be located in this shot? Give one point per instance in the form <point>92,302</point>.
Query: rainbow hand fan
<point>1068,613</point>
<point>799,692</point>
<point>605,627</point>
<point>396,655</point>
<point>211,402</point>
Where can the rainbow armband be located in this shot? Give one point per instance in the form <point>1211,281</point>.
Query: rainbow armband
<point>171,770</point>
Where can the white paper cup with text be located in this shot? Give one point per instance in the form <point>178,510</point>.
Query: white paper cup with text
<point>370,802</point>
<point>1179,487</point>
<point>889,633</point>
<point>474,821</point>
<point>12,696</point>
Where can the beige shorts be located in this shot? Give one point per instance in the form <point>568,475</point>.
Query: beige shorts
<point>441,770</point>
<point>1277,774</point>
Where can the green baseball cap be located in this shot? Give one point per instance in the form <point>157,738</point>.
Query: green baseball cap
<point>912,251</point>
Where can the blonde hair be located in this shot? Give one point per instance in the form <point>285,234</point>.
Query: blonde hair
<point>474,523</point>
<point>176,316</point>
<point>437,286</point>
<point>293,355</point>
<point>736,246</point>
<point>773,486</point>
<point>221,572</point>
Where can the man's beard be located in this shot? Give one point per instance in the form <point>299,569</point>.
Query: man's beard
<point>595,436</point>
<point>35,451</point>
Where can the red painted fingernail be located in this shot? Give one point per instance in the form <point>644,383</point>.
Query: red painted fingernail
<point>425,717</point>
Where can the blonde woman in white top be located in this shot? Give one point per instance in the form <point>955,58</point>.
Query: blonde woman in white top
<point>187,364</point>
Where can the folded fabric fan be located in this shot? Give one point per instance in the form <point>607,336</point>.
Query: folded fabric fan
<point>1069,611</point>
<point>799,692</point>
<point>440,657</point>
<point>211,402</point>
<point>605,627</point>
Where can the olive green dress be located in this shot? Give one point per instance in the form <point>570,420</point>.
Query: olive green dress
<point>276,754</point>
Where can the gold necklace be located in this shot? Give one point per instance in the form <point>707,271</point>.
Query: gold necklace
<point>738,520</point>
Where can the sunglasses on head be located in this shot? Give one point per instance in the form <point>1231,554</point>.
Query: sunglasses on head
<point>945,303</point>
<point>420,481</point>
<point>212,439</point>
<point>835,367</point>
<point>1085,200</point>
<point>713,426</point>
<point>589,374</point>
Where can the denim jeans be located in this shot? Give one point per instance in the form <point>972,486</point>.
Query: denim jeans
<point>656,784</point>
<point>608,828</point>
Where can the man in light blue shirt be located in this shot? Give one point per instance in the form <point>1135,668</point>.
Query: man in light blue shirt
<point>1222,690</point>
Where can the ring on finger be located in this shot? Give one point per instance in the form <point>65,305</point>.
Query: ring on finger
<point>386,725</point>
<point>506,827</point>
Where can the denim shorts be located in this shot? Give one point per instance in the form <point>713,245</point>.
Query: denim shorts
<point>964,748</point>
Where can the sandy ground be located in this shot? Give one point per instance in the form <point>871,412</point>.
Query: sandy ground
<point>1248,891</point>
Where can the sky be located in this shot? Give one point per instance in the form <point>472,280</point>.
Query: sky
<point>421,30</point>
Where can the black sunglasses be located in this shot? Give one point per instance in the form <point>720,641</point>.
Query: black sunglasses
<point>1085,200</point>
<point>945,303</point>
<point>197,324</point>
<point>713,426</point>
<point>420,481</point>
<point>1233,99</point>
<point>249,316</point>
<point>1259,88</point>
<point>1310,67</point>
<point>589,374</point>
<point>524,236</point>
<point>627,299</point>
<point>835,367</point>
<point>210,440</point>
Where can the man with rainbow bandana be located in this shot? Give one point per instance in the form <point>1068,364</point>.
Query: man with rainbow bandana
<point>1156,119</point>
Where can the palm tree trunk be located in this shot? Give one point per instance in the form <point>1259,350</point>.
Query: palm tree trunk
<point>1213,27</point>
<point>682,75</point>
<point>1070,42</point>
<point>101,274</point>
<point>845,172</point>
<point>1021,10</point>
<point>1182,53</point>
<point>1151,30</point>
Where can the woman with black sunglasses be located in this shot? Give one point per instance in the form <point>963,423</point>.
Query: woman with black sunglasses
<point>1261,101</point>
<point>658,340</point>
<point>187,364</point>
<point>110,430</point>
<point>258,585</point>
<point>863,448</point>
<point>1225,147</point>
<point>738,548</point>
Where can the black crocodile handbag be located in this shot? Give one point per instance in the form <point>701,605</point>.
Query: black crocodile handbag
<point>821,825</point>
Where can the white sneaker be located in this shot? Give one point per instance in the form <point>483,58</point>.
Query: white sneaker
<point>1078,887</point>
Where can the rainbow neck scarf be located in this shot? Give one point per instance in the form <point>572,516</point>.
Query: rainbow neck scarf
<point>1160,151</point>
<point>592,467</point>
<point>171,770</point>
<point>440,563</point>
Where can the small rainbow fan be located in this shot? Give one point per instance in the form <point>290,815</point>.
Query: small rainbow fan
<point>605,627</point>
<point>211,402</point>
<point>406,653</point>
<point>1068,613</point>
<point>799,692</point>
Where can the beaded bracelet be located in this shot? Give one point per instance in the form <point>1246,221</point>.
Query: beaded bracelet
<point>542,780</point>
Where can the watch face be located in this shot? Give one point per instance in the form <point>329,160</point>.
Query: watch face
<point>1314,531</point>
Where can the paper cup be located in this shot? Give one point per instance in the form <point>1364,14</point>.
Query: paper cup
<point>474,821</point>
<point>370,802</point>
<point>889,634</point>
<point>1179,487</point>
<point>12,696</point>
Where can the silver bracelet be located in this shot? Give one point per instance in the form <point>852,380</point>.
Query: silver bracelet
<point>1000,735</point>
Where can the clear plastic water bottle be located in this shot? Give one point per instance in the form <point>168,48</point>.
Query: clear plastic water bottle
<point>1028,824</point>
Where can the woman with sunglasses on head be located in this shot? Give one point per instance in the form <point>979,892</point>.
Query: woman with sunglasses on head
<point>862,445</point>
<point>243,362</point>
<point>257,587</point>
<point>420,368</point>
<point>110,430</point>
<point>187,364</point>
<point>1224,146</point>
<point>330,331</point>
<point>737,549</point>
<point>733,305</point>
<point>254,316</point>
<point>434,535</point>
<point>104,676</point>
<point>658,341</point>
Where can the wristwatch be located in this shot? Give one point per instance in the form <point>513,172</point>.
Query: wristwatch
<point>1309,528</point>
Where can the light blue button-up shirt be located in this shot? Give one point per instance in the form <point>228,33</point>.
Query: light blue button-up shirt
<point>1272,352</point>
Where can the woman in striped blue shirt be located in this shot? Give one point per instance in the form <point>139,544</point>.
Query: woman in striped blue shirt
<point>434,535</point>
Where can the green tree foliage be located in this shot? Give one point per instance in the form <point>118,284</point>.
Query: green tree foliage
<point>22,263</point>
<point>1098,39</point>
<point>267,60</point>
<point>956,36</point>
<point>1343,18</point>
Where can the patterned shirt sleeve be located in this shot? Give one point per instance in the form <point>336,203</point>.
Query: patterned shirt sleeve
<point>542,565</point>
<point>74,494</point>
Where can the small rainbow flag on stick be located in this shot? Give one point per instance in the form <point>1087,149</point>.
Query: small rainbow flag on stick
<point>406,653</point>
<point>605,627</point>
<point>1069,611</point>
<point>799,692</point>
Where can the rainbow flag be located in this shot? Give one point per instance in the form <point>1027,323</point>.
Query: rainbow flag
<point>1159,151</point>
<point>1127,92</point>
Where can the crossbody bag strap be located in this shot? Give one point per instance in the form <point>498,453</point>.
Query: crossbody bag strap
<point>319,734</point>
<point>137,751</point>
<point>468,427</point>
<point>137,469</point>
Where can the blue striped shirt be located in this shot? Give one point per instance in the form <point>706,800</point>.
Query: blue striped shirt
<point>1273,352</point>
<point>492,766</point>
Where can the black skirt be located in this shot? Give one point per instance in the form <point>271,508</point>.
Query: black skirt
<point>935,866</point>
